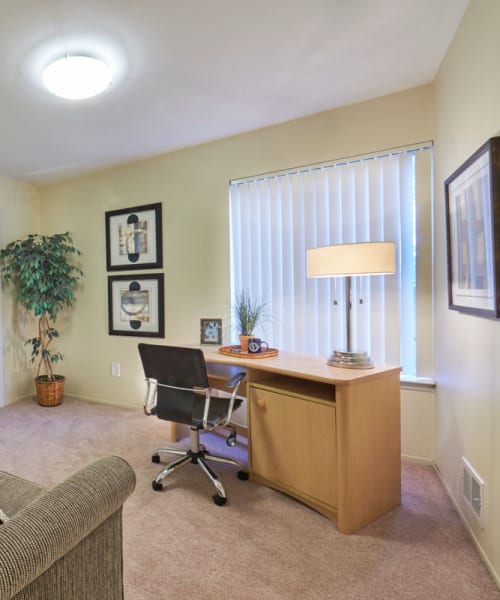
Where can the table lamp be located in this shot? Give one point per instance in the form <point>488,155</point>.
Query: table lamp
<point>348,260</point>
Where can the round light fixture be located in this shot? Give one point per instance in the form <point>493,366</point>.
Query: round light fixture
<point>77,77</point>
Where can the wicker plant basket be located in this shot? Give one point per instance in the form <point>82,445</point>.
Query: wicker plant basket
<point>49,393</point>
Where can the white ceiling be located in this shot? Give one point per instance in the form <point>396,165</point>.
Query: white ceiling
<point>191,71</point>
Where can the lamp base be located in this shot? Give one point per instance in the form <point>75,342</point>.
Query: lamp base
<point>350,360</point>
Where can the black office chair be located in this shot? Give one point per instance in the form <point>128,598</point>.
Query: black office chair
<point>178,391</point>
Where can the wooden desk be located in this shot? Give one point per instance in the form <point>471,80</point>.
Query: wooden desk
<point>327,436</point>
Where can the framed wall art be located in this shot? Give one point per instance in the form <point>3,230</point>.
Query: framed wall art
<point>472,195</point>
<point>134,238</point>
<point>135,305</point>
<point>211,331</point>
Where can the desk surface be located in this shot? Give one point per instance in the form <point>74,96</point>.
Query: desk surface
<point>307,366</point>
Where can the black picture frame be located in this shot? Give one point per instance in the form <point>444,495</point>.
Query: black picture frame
<point>211,332</point>
<point>134,238</point>
<point>135,305</point>
<point>472,196</point>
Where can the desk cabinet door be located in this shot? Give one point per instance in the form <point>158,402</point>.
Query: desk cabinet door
<point>293,443</point>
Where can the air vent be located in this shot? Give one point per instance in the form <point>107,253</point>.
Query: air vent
<point>473,490</point>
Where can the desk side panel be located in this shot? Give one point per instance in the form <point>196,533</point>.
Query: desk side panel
<point>369,451</point>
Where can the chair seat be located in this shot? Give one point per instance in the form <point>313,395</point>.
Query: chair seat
<point>194,417</point>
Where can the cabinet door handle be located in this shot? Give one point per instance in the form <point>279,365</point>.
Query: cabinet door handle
<point>261,403</point>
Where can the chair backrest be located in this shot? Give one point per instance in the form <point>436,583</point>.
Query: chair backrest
<point>173,365</point>
<point>179,367</point>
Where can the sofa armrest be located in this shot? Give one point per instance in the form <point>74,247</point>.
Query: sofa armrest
<point>47,529</point>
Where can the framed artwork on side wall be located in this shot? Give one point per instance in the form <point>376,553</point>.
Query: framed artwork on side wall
<point>135,305</point>
<point>472,195</point>
<point>134,238</point>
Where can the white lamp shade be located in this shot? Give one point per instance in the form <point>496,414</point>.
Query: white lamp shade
<point>341,260</point>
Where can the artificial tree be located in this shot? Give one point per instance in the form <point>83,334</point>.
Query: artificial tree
<point>43,275</point>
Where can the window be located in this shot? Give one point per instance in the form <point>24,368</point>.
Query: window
<point>275,218</point>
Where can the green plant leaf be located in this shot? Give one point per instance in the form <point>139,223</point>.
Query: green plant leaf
<point>249,313</point>
<point>42,273</point>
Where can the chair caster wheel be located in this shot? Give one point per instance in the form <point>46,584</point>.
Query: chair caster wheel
<point>219,500</point>
<point>231,439</point>
<point>242,475</point>
<point>155,458</point>
<point>157,486</point>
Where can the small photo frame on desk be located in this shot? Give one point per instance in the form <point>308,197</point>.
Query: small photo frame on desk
<point>472,195</point>
<point>211,331</point>
<point>135,305</point>
<point>134,238</point>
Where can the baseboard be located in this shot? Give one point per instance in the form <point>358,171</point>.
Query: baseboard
<point>482,554</point>
<point>417,459</point>
<point>69,396</point>
<point>101,401</point>
<point>31,396</point>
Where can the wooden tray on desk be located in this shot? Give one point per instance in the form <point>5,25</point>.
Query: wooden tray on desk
<point>236,352</point>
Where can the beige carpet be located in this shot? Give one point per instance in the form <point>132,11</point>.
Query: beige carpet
<point>262,545</point>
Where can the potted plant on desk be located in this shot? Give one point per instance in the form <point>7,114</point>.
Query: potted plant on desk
<point>249,314</point>
<point>41,272</point>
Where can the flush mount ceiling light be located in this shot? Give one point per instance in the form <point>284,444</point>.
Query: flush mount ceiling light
<point>77,77</point>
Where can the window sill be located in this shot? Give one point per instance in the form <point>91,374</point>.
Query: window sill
<point>417,383</point>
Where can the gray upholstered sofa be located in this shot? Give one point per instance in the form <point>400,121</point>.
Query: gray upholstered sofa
<point>65,543</point>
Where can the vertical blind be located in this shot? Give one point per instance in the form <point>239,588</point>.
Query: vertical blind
<point>275,218</point>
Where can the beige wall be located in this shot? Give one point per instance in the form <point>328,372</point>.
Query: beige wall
<point>467,348</point>
<point>193,186</point>
<point>19,216</point>
<point>417,424</point>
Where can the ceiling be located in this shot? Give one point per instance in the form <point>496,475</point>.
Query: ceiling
<point>192,71</point>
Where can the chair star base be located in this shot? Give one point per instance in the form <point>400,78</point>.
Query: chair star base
<point>197,455</point>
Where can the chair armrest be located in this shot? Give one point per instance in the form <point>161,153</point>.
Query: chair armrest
<point>234,384</point>
<point>236,380</point>
<point>55,522</point>
<point>150,396</point>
